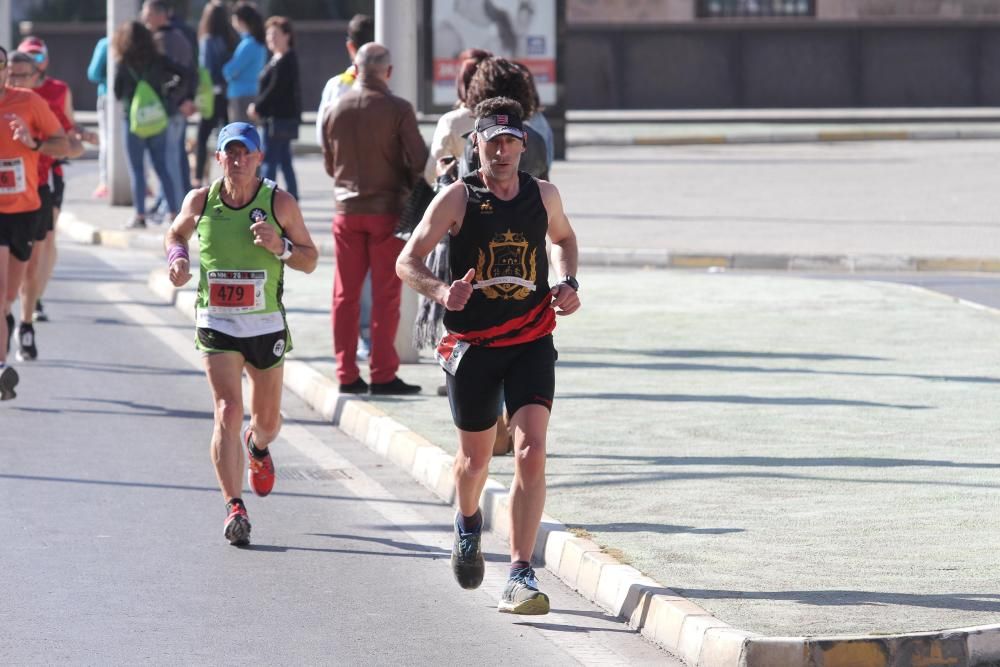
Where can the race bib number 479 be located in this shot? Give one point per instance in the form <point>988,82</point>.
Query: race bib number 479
<point>233,292</point>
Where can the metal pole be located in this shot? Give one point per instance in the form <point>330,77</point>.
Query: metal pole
<point>395,28</point>
<point>6,34</point>
<point>119,187</point>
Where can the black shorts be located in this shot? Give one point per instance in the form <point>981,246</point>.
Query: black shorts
<point>262,352</point>
<point>525,374</point>
<point>17,232</point>
<point>58,188</point>
<point>44,223</point>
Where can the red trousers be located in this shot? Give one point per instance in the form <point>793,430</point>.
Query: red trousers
<point>363,241</point>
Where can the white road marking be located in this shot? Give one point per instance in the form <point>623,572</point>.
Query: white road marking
<point>584,647</point>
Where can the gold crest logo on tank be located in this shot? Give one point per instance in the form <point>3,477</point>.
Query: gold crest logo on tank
<point>510,269</point>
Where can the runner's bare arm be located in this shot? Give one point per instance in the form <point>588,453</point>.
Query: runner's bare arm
<point>564,250</point>
<point>77,135</point>
<point>444,214</point>
<point>175,241</point>
<point>54,145</point>
<point>304,253</point>
<point>68,107</point>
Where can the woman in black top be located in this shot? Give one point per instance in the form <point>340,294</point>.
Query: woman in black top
<point>138,59</point>
<point>278,106</point>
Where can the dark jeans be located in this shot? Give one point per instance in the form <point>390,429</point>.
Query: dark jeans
<point>205,129</point>
<point>278,135</point>
<point>157,147</point>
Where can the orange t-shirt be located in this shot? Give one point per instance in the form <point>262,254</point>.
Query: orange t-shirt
<point>18,163</point>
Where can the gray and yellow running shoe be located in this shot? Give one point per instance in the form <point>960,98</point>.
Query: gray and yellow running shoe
<point>521,595</point>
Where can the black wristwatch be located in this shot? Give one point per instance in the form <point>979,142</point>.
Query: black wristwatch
<point>571,281</point>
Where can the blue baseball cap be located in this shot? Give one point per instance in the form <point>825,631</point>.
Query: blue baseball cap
<point>245,133</point>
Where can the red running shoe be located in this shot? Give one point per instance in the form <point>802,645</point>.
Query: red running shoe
<point>237,528</point>
<point>260,472</point>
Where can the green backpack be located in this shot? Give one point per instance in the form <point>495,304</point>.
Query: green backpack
<point>147,117</point>
<point>205,97</point>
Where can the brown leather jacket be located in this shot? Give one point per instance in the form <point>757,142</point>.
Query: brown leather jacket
<point>372,149</point>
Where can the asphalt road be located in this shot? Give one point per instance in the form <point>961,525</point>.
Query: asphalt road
<point>112,526</point>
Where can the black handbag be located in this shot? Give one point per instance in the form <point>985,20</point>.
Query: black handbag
<point>413,210</point>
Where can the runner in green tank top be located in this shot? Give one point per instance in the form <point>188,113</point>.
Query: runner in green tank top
<point>239,291</point>
<point>248,231</point>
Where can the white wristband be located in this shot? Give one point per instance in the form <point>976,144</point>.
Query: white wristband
<point>288,250</point>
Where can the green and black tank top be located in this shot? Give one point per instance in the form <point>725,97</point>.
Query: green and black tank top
<point>240,284</point>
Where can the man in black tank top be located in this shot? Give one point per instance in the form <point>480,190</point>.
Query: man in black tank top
<point>500,314</point>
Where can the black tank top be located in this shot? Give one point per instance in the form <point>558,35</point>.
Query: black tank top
<point>504,241</point>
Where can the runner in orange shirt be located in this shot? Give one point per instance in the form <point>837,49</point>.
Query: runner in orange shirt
<point>27,128</point>
<point>24,72</point>
<point>43,258</point>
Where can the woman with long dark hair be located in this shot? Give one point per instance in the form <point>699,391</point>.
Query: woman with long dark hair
<point>278,105</point>
<point>243,69</point>
<point>216,42</point>
<point>447,145</point>
<point>138,60</point>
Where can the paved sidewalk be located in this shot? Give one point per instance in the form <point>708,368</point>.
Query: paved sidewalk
<point>798,459</point>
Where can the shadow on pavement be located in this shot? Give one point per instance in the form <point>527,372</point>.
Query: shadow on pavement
<point>126,369</point>
<point>664,529</point>
<point>720,354</point>
<point>619,479</point>
<point>781,462</point>
<point>986,602</point>
<point>745,400</point>
<point>209,489</point>
<point>759,369</point>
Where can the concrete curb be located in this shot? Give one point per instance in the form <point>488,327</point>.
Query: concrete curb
<point>657,612</point>
<point>88,234</point>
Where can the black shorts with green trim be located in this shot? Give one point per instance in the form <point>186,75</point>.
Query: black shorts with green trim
<point>262,352</point>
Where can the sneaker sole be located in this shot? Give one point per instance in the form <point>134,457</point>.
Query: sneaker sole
<point>238,531</point>
<point>21,356</point>
<point>538,606</point>
<point>8,380</point>
<point>472,579</point>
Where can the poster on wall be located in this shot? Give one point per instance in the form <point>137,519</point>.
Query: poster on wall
<point>522,30</point>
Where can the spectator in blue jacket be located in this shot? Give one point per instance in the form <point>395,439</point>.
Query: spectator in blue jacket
<point>243,70</point>
<point>97,72</point>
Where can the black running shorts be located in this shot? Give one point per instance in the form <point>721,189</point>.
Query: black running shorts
<point>17,232</point>
<point>524,374</point>
<point>58,188</point>
<point>262,352</point>
<point>43,225</point>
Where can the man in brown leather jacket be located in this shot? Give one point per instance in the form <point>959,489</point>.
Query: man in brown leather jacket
<point>374,152</point>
